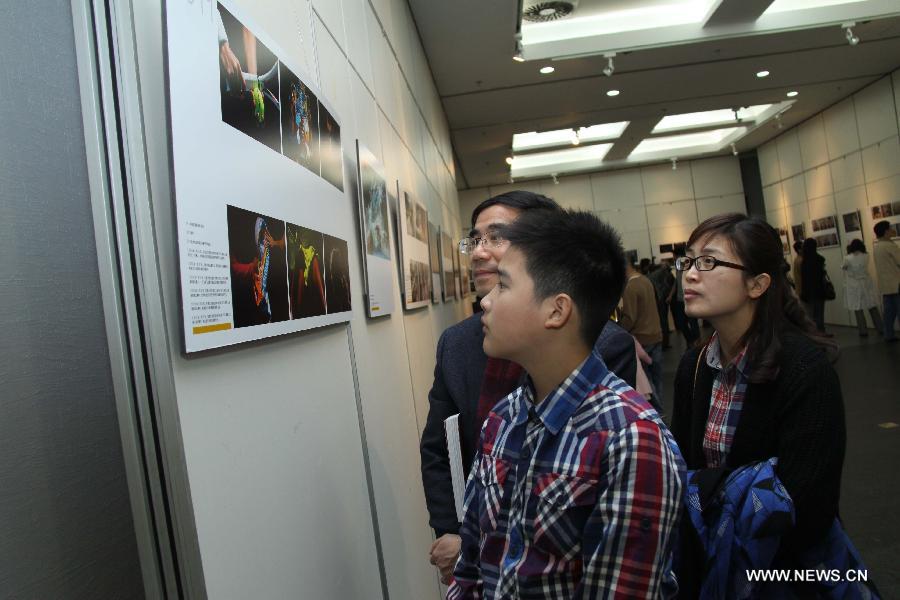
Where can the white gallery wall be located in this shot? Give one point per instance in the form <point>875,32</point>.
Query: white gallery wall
<point>649,206</point>
<point>844,159</point>
<point>276,432</point>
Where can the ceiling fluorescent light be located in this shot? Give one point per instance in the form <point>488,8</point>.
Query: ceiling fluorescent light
<point>688,143</point>
<point>559,161</point>
<point>567,137</point>
<point>709,118</point>
<point>762,74</point>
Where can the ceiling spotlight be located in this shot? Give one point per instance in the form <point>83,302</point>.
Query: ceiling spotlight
<point>762,74</point>
<point>509,160</point>
<point>734,149</point>
<point>576,137</point>
<point>612,93</point>
<point>792,93</point>
<point>555,178</point>
<point>674,163</point>
<point>848,33</point>
<point>610,67</point>
<point>547,70</point>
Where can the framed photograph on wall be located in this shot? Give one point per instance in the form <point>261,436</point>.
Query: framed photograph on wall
<point>890,212</point>
<point>798,231</point>
<point>434,261</point>
<point>852,222</point>
<point>825,232</point>
<point>255,219</point>
<point>447,251</point>
<point>375,235</point>
<point>414,253</point>
<point>783,235</point>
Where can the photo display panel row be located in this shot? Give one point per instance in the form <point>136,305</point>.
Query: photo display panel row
<point>263,221</point>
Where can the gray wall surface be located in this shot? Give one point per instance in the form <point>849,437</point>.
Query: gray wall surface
<point>65,517</point>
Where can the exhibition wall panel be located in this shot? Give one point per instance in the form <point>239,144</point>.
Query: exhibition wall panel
<point>301,451</point>
<point>849,162</point>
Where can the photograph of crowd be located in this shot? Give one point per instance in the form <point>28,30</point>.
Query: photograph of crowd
<point>256,247</point>
<point>447,252</point>
<point>824,224</point>
<point>828,240</point>
<point>420,287</point>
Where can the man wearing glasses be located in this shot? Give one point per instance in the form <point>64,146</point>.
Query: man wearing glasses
<point>467,383</point>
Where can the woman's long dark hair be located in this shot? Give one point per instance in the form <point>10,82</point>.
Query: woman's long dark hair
<point>758,247</point>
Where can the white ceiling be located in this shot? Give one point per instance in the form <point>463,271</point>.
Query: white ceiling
<point>488,97</point>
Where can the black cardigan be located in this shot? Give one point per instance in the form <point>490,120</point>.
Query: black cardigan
<point>798,417</point>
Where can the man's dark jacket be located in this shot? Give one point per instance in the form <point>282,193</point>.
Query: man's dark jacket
<point>458,374</point>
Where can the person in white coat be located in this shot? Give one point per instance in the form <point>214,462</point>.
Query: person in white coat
<point>859,289</point>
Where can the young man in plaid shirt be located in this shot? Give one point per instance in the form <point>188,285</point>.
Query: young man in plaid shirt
<point>576,485</point>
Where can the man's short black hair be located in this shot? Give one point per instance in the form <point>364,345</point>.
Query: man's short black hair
<point>518,199</point>
<point>881,227</point>
<point>575,253</point>
<point>798,246</point>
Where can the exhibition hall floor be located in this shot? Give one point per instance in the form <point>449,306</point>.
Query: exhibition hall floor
<point>869,371</point>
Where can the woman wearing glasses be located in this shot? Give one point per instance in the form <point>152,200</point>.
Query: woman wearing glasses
<point>762,387</point>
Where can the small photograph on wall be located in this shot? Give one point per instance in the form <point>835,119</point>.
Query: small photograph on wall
<point>375,234</point>
<point>337,275</point>
<point>824,224</point>
<point>464,275</point>
<point>447,252</point>
<point>415,253</point>
<point>418,291</point>
<point>882,211</point>
<point>631,257</point>
<point>828,240</point>
<point>852,226</point>
<point>305,251</point>
<point>256,248</point>
<point>783,235</point>
<point>330,148</point>
<point>666,249</point>
<point>248,82</point>
<point>434,259</point>
<point>799,232</point>
<point>852,221</point>
<point>300,121</point>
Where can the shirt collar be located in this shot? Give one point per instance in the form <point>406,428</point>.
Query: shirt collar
<point>714,356</point>
<point>562,402</point>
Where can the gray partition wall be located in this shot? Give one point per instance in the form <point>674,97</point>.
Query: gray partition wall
<point>65,515</point>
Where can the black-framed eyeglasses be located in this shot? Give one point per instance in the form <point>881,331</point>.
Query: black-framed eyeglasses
<point>704,263</point>
<point>492,239</point>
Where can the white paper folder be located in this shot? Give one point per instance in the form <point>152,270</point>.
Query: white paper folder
<point>454,451</point>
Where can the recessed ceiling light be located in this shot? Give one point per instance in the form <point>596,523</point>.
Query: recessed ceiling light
<point>547,70</point>
<point>509,160</point>
<point>518,58</point>
<point>547,12</point>
<point>762,74</point>
<point>612,93</point>
<point>792,93</point>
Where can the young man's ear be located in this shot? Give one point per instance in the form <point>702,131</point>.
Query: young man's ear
<point>757,285</point>
<point>558,312</point>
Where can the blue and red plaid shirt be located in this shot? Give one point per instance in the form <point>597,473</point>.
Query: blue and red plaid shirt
<point>578,496</point>
<point>725,404</point>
